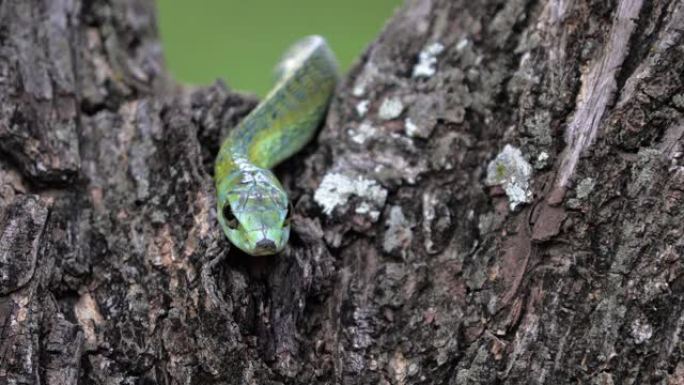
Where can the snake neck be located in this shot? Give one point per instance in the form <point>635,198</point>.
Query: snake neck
<point>287,118</point>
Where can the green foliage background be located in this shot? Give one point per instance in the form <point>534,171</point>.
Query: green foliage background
<point>242,40</point>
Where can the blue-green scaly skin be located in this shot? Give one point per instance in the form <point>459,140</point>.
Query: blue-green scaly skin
<point>252,205</point>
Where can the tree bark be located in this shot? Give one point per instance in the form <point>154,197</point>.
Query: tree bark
<point>496,197</point>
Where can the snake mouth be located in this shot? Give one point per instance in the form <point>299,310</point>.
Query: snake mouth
<point>265,247</point>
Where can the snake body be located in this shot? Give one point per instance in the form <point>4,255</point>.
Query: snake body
<point>252,206</point>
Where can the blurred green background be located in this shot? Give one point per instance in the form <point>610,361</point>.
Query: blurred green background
<point>242,40</point>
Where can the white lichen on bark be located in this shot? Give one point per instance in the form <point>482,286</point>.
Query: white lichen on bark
<point>511,171</point>
<point>362,133</point>
<point>427,60</point>
<point>390,109</point>
<point>336,189</point>
<point>362,108</point>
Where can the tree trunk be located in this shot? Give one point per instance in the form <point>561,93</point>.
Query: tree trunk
<point>496,197</point>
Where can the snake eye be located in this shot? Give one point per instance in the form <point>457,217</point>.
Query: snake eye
<point>230,219</point>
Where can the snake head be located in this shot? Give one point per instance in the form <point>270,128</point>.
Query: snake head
<point>254,212</point>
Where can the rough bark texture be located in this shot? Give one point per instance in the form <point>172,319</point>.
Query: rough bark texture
<point>414,259</point>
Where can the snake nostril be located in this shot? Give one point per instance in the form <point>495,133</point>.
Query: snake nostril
<point>266,245</point>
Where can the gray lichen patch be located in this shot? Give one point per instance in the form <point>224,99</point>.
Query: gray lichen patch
<point>394,158</point>
<point>542,160</point>
<point>336,189</point>
<point>437,220</point>
<point>398,235</point>
<point>422,116</point>
<point>538,127</point>
<point>585,187</point>
<point>641,331</point>
<point>410,128</point>
<point>364,208</point>
<point>678,101</point>
<point>462,44</point>
<point>362,133</point>
<point>362,107</point>
<point>649,162</point>
<point>485,223</point>
<point>365,79</point>
<point>511,171</point>
<point>390,108</point>
<point>424,111</point>
<point>427,60</point>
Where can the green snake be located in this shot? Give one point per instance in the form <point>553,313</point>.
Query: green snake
<point>252,206</point>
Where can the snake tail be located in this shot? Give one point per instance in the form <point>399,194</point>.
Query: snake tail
<point>252,206</point>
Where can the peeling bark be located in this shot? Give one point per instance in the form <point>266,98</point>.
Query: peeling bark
<point>408,264</point>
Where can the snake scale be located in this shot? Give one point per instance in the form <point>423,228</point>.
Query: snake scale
<point>252,206</point>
